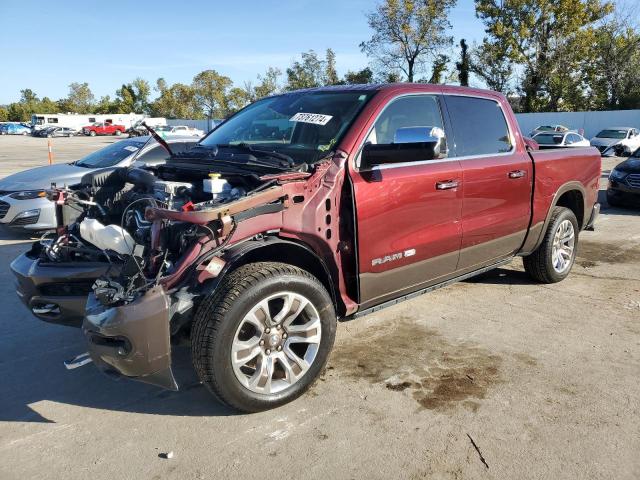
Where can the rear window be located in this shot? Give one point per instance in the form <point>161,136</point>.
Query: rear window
<point>548,139</point>
<point>479,126</point>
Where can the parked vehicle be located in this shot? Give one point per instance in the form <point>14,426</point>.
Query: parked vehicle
<point>547,140</point>
<point>617,141</point>
<point>57,132</point>
<point>624,183</point>
<point>138,129</point>
<point>103,129</point>
<point>548,128</point>
<point>77,121</point>
<point>23,196</point>
<point>182,130</point>
<point>353,199</point>
<point>14,129</point>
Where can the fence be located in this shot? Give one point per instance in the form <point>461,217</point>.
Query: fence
<point>590,122</point>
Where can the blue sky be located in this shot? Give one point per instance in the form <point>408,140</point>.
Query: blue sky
<point>48,45</point>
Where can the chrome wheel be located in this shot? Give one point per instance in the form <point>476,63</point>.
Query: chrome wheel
<point>276,343</point>
<point>563,245</point>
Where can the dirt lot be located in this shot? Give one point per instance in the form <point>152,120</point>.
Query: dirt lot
<point>543,379</point>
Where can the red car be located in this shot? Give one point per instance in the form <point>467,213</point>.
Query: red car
<point>103,129</point>
<point>304,209</point>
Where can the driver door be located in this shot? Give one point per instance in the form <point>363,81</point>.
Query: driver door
<point>408,212</point>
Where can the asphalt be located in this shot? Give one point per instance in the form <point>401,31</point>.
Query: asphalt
<point>497,377</point>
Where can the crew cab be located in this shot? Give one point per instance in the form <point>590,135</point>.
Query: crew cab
<point>103,129</point>
<point>300,210</point>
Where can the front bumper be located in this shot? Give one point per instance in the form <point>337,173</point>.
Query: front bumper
<point>55,292</point>
<point>132,340</point>
<point>624,192</point>
<point>41,213</point>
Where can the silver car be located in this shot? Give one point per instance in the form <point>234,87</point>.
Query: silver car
<point>23,202</point>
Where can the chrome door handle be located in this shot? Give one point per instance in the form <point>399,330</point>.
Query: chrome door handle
<point>447,184</point>
<point>517,173</point>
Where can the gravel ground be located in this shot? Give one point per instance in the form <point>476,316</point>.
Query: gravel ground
<point>496,377</point>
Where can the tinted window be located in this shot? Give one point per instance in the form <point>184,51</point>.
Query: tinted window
<point>111,155</point>
<point>548,139</point>
<point>479,126</point>
<point>154,154</point>
<point>405,112</point>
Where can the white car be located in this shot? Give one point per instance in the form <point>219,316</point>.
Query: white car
<point>181,130</point>
<point>548,128</point>
<point>562,139</point>
<point>617,141</point>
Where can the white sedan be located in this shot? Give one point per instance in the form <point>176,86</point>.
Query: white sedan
<point>560,140</point>
<point>617,141</point>
<point>178,130</point>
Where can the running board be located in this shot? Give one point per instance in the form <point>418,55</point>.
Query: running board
<point>409,296</point>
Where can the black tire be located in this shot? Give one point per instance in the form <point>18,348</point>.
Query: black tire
<point>92,133</point>
<point>539,264</point>
<point>117,133</point>
<point>220,314</point>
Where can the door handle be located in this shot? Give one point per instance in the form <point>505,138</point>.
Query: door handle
<point>447,184</point>
<point>517,173</point>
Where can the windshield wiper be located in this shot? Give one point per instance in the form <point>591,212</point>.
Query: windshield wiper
<point>265,153</point>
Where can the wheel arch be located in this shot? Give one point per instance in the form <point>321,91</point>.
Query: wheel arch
<point>274,249</point>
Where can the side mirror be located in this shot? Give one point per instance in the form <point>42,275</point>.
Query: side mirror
<point>410,144</point>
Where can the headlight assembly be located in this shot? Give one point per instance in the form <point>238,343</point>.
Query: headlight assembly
<point>617,175</point>
<point>29,194</point>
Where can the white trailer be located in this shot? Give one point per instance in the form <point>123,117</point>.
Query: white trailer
<point>77,121</point>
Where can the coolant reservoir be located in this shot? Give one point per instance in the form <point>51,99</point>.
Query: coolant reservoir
<point>110,237</point>
<point>214,184</point>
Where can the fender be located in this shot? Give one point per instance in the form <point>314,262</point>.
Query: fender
<point>536,233</point>
<point>271,248</point>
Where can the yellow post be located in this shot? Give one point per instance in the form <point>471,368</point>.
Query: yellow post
<point>50,153</point>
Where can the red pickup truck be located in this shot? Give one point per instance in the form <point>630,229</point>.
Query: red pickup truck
<point>303,209</point>
<point>103,129</point>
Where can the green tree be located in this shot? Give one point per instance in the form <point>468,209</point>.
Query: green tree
<point>491,64</point>
<point>360,77</point>
<point>211,93</point>
<point>4,114</point>
<point>463,66</point>
<point>330,74</point>
<point>176,101</point>
<point>439,69</point>
<point>307,73</point>
<point>268,84</point>
<point>407,33</point>
<point>545,39</point>
<point>79,100</point>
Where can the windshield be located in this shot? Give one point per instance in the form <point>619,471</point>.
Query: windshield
<point>546,139</point>
<point>111,155</point>
<point>304,125</point>
<point>612,134</point>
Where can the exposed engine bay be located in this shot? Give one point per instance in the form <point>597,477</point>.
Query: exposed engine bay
<point>107,218</point>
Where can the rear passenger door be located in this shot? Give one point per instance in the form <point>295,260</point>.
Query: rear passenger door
<point>496,181</point>
<point>408,213</point>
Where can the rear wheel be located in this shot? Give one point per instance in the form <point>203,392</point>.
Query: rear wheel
<point>263,337</point>
<point>552,261</point>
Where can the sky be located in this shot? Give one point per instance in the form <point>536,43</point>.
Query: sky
<point>48,45</point>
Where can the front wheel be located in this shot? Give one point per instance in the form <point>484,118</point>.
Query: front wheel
<point>92,133</point>
<point>552,261</point>
<point>117,133</point>
<point>263,337</point>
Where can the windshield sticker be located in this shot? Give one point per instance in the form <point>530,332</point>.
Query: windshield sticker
<point>131,149</point>
<point>315,118</point>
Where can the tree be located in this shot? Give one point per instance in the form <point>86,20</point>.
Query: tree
<point>79,100</point>
<point>268,84</point>
<point>330,75</point>
<point>211,90</point>
<point>439,68</point>
<point>4,114</point>
<point>463,66</point>
<point>490,62</point>
<point>407,33</point>
<point>307,73</point>
<point>176,101</point>
<point>545,39</point>
<point>361,77</point>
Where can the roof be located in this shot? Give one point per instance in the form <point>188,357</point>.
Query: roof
<point>390,86</point>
